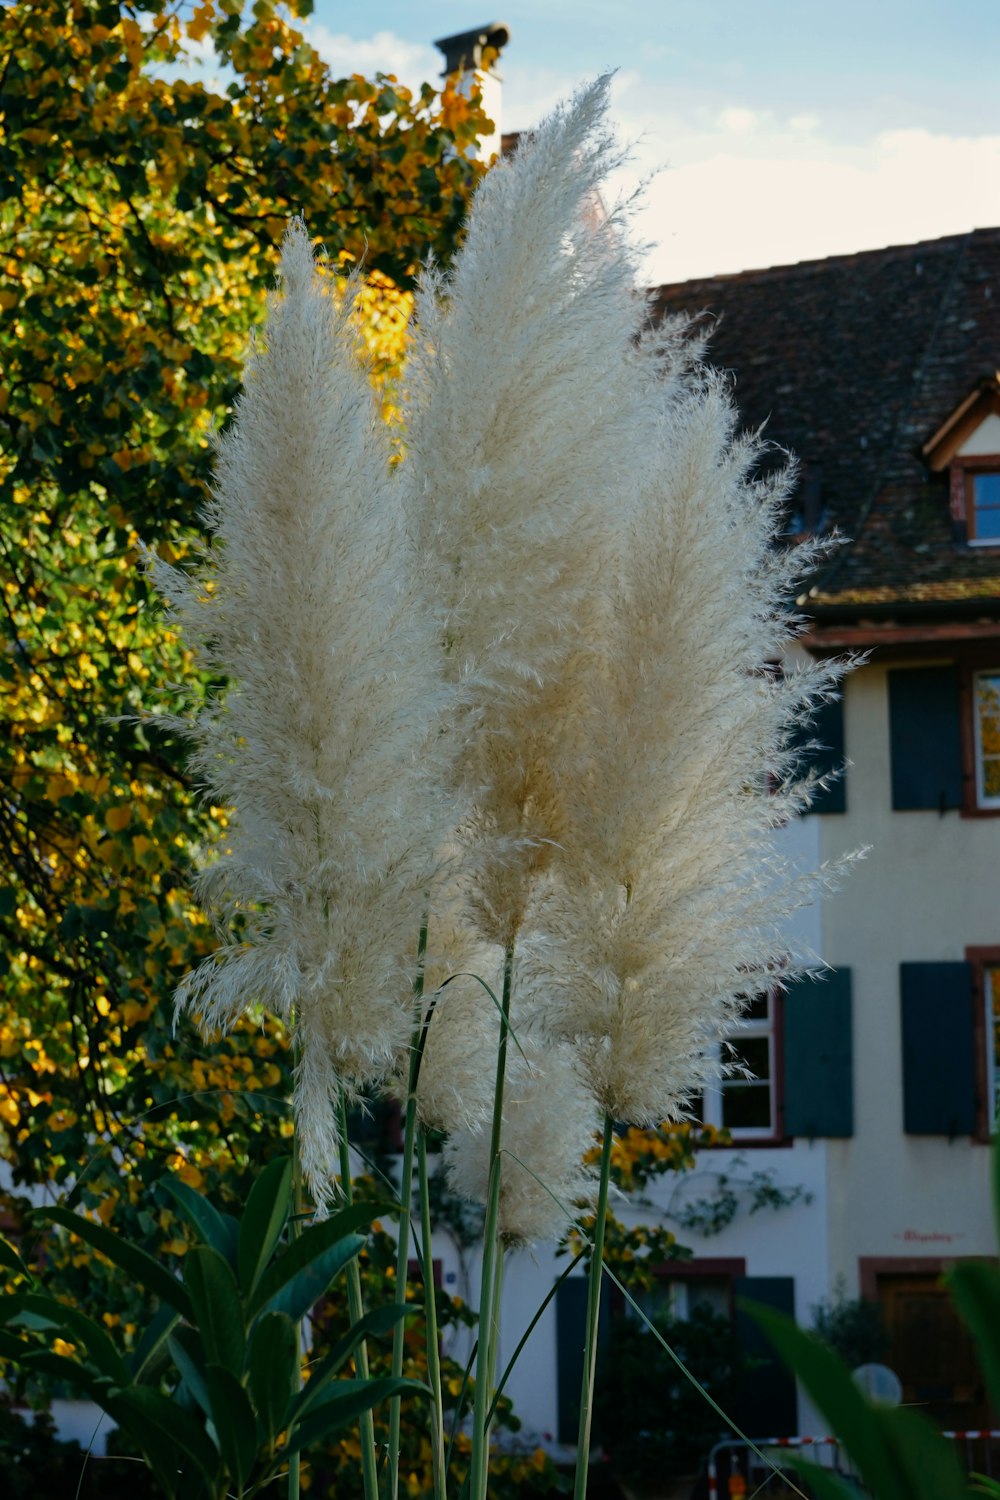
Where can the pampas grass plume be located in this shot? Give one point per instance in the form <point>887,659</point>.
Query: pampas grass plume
<point>325,744</point>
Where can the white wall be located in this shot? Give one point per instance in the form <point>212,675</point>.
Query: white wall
<point>926,890</point>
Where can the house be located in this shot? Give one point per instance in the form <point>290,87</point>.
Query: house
<point>878,1086</point>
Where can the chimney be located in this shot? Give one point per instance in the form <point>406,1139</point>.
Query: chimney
<point>463,54</point>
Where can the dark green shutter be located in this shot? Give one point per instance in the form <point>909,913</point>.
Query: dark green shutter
<point>767,1405</point>
<point>819,1094</point>
<point>925,738</point>
<point>571,1328</point>
<point>939,1070</point>
<point>821,749</point>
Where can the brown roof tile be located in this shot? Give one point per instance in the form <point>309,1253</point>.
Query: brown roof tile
<point>853,363</point>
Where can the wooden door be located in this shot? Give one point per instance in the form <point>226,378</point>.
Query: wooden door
<point>931,1352</point>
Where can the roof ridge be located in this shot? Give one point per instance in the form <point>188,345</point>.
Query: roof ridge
<point>847,258</point>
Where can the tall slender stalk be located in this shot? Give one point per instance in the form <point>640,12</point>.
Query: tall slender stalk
<point>595,1278</point>
<point>430,1323</point>
<point>295,1461</point>
<point>355,1303</point>
<point>405,1200</point>
<point>492,1260</point>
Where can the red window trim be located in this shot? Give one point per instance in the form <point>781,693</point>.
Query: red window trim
<point>961,472</point>
<point>968,666</point>
<point>779,1139</point>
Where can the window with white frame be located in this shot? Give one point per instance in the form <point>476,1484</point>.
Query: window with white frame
<point>744,1101</point>
<point>986,733</point>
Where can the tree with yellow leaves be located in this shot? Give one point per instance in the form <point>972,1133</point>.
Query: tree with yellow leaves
<point>139,230</point>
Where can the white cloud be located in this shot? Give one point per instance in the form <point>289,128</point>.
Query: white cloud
<point>732,212</point>
<point>413,63</point>
<point>737,121</point>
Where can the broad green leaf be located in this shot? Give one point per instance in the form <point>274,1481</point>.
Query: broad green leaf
<point>272,1362</point>
<point>217,1309</point>
<point>312,1242</point>
<point>380,1320</point>
<point>823,1483</point>
<point>264,1218</point>
<point>188,1355</point>
<point>80,1329</point>
<point>151,1347</point>
<point>929,1461</point>
<point>975,1288</point>
<point>56,1366</point>
<point>173,1441</point>
<point>298,1296</point>
<point>234,1422</point>
<point>215,1229</point>
<point>127,1257</point>
<point>353,1397</point>
<point>11,1304</point>
<point>829,1384</point>
<point>10,1258</point>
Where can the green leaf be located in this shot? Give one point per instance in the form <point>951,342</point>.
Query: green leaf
<point>975,1288</point>
<point>217,1309</point>
<point>188,1355</point>
<point>264,1218</point>
<point>300,1295</point>
<point>272,1362</point>
<point>151,1346</point>
<point>171,1439</point>
<point>56,1366</point>
<point>233,1418</point>
<point>380,1320</point>
<point>310,1244</point>
<point>829,1384</point>
<point>79,1329</point>
<point>929,1461</point>
<point>353,1398</point>
<point>127,1257</point>
<point>823,1483</point>
<point>215,1229</point>
<point>10,1258</point>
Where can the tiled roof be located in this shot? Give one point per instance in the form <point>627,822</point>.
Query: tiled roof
<point>854,363</point>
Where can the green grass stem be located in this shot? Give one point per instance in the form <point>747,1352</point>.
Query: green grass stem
<point>431,1326</point>
<point>492,1262</point>
<point>595,1275</point>
<point>356,1307</point>
<point>405,1209</point>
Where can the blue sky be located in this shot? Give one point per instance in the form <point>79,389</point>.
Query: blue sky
<point>777,131</point>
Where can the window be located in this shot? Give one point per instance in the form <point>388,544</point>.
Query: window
<point>986,735</point>
<point>744,1102</point>
<point>982,506</point>
<point>984,966</point>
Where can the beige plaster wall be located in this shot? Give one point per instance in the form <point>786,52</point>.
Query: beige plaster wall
<point>927,889</point>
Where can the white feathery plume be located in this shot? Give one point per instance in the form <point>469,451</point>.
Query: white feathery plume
<point>458,1066</point>
<point>524,387</point>
<point>549,1121</point>
<point>326,743</point>
<point>666,896</point>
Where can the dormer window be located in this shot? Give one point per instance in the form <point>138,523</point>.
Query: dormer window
<point>967,446</point>
<point>982,504</point>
